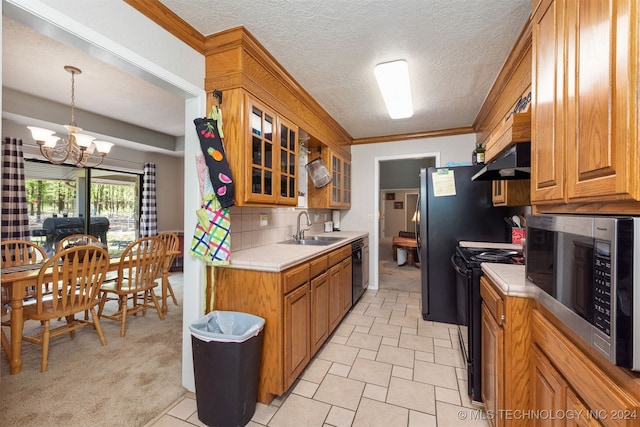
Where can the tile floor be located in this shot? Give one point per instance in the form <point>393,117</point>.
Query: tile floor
<point>383,366</point>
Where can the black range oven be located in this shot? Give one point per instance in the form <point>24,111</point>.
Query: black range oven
<point>466,262</point>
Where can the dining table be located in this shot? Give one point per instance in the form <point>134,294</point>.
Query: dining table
<point>17,279</point>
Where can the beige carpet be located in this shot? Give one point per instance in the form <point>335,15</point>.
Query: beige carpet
<point>128,382</point>
<point>392,277</point>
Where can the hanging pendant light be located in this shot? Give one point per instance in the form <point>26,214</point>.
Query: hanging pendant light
<point>78,148</point>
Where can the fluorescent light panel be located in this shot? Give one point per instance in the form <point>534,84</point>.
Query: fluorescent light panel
<point>393,80</point>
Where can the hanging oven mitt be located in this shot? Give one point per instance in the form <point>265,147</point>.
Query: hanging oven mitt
<point>208,130</point>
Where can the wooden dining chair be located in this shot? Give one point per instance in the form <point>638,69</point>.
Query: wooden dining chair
<point>21,252</point>
<point>75,239</point>
<point>14,253</point>
<point>75,275</point>
<point>140,266</point>
<point>172,245</point>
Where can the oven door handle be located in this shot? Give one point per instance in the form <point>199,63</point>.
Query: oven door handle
<point>457,267</point>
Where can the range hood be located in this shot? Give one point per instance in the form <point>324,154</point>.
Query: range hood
<point>514,163</point>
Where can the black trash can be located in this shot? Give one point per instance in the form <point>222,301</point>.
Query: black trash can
<point>227,348</point>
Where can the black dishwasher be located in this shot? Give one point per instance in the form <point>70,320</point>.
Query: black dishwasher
<point>357,272</point>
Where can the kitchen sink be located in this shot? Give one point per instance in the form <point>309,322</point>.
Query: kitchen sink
<point>314,241</point>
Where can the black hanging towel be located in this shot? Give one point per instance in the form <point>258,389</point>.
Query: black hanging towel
<point>213,150</point>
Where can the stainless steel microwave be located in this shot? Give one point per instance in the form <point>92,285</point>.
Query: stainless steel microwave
<point>589,271</point>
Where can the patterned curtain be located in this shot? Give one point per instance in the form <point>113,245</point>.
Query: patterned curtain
<point>15,214</point>
<point>149,217</point>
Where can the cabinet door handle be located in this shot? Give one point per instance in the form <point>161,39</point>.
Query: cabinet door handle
<point>502,318</point>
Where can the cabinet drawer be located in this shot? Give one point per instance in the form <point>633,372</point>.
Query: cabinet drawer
<point>492,300</point>
<point>317,266</point>
<point>295,277</point>
<point>339,254</point>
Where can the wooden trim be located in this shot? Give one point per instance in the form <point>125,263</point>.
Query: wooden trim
<point>164,17</point>
<point>241,38</point>
<point>413,135</point>
<point>605,207</point>
<point>516,56</point>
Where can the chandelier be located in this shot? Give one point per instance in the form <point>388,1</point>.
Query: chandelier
<point>81,149</point>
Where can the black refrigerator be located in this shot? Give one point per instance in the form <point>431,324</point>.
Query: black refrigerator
<point>452,208</point>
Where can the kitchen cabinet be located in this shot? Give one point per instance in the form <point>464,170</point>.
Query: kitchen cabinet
<point>336,194</point>
<point>297,324</point>
<point>549,389</point>
<point>340,286</point>
<point>272,168</point>
<point>319,311</point>
<point>547,133</point>
<point>511,192</point>
<point>319,302</point>
<point>569,377</point>
<point>585,150</point>
<point>301,305</point>
<point>492,364</point>
<point>505,342</point>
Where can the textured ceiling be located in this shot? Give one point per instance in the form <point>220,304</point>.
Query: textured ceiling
<point>455,49</point>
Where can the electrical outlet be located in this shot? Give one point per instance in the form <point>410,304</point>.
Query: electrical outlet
<point>264,220</point>
<point>370,218</point>
<point>316,217</point>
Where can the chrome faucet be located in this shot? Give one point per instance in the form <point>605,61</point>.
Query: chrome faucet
<point>300,233</point>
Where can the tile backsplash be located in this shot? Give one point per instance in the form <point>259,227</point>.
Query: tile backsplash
<point>252,227</point>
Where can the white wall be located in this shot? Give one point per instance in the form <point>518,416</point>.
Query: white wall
<point>365,158</point>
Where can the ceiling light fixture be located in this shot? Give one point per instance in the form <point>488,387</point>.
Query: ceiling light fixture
<point>77,147</point>
<point>393,80</point>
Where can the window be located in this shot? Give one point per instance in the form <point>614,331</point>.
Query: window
<point>61,197</point>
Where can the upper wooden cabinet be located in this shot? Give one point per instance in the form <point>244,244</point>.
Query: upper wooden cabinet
<point>270,158</point>
<point>585,112</point>
<point>547,133</point>
<point>511,193</point>
<point>263,108</point>
<point>336,194</point>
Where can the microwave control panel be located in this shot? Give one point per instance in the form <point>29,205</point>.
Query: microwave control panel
<point>602,288</point>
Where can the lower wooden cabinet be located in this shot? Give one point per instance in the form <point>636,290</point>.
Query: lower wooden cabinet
<point>537,373</point>
<point>492,365</point>
<point>346,267</point>
<point>319,311</point>
<point>505,354</point>
<point>549,389</point>
<point>569,380</point>
<point>297,330</point>
<point>301,307</point>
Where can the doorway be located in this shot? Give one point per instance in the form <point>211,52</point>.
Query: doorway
<point>397,193</point>
<point>91,42</point>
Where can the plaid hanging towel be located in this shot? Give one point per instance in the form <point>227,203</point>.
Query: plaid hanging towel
<point>211,239</point>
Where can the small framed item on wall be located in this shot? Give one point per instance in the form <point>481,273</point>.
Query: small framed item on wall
<point>390,196</point>
<point>398,205</point>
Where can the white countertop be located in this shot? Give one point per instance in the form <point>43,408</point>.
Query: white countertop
<point>510,278</point>
<point>277,257</point>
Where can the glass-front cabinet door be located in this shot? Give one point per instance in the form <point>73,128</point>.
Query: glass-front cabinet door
<point>288,162</point>
<point>336,181</point>
<point>346,182</point>
<point>273,152</point>
<point>262,173</point>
